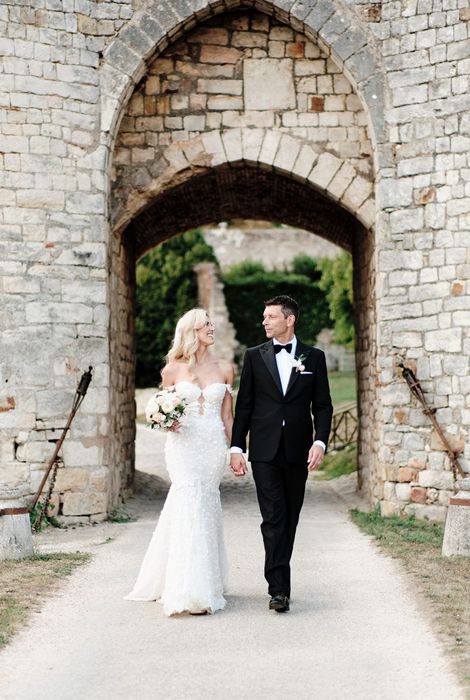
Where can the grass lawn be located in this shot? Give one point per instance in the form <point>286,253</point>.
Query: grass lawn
<point>338,463</point>
<point>25,583</point>
<point>443,580</point>
<point>342,387</point>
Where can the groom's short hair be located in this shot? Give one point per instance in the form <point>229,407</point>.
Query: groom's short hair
<point>288,305</point>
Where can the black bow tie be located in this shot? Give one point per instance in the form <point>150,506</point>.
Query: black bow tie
<point>278,348</point>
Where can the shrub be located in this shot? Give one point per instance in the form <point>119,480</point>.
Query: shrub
<point>166,289</point>
<point>249,284</point>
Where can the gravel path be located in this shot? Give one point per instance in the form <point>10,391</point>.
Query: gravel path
<point>355,630</point>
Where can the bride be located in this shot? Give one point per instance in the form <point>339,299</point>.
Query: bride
<point>185,565</point>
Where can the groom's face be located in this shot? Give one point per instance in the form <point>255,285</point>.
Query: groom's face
<point>276,325</point>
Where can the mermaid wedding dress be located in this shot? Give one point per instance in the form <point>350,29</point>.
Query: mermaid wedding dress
<point>185,565</point>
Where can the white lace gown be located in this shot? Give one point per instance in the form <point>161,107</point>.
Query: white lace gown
<point>185,565</point>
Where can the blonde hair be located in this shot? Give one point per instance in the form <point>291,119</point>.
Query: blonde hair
<point>186,343</point>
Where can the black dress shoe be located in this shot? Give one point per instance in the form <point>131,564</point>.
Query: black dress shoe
<point>279,603</point>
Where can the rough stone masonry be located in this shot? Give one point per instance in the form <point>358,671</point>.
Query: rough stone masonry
<point>124,123</point>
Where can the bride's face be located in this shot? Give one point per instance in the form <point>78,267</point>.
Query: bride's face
<point>206,333</point>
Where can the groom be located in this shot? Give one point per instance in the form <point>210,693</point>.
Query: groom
<point>283,383</point>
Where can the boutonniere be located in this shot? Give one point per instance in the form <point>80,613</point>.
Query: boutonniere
<point>298,363</point>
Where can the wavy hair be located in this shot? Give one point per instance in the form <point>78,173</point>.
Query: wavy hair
<point>186,343</point>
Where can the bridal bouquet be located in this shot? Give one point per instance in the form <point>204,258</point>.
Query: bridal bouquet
<point>164,409</point>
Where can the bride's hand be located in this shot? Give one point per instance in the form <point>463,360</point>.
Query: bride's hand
<point>175,427</point>
<point>238,464</point>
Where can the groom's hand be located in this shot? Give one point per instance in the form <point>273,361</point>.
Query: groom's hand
<point>238,464</point>
<point>315,457</point>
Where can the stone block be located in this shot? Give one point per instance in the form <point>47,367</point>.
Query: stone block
<point>194,122</point>
<point>403,491</point>
<point>78,202</point>
<point>268,84</point>
<point>78,454</point>
<point>397,259</point>
<point>34,451</point>
<point>389,508</point>
<point>447,340</point>
<point>121,57</point>
<point>216,55</point>
<point>324,170</point>
<point>99,479</point>
<point>214,146</point>
<point>357,192</point>
<point>222,87</point>
<point>269,147</point>
<point>457,528</point>
<point>316,103</point>
<point>361,65</point>
<point>433,513</point>
<point>232,142</point>
<point>84,503</point>
<point>69,479</point>
<point>418,494</point>
<point>305,161</point>
<point>406,474</point>
<point>436,479</point>
<point>349,43</point>
<point>225,102</point>
<point>251,144</point>
<point>249,39</point>
<point>40,199</point>
<point>393,193</point>
<point>57,312</point>
<point>286,153</point>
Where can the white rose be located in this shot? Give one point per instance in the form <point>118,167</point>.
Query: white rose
<point>167,406</point>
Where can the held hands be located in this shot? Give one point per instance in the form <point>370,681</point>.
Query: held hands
<point>315,457</point>
<point>238,464</point>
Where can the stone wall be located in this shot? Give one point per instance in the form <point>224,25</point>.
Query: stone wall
<point>274,247</point>
<point>192,149</point>
<point>239,70</point>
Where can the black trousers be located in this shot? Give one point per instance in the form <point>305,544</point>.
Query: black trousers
<point>280,488</point>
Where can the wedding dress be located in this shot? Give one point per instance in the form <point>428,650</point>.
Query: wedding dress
<point>185,564</point>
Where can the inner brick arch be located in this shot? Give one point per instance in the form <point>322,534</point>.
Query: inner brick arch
<point>217,194</point>
<point>245,191</point>
<point>271,150</point>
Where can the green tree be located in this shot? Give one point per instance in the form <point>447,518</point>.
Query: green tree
<point>166,289</point>
<point>249,284</point>
<point>337,283</point>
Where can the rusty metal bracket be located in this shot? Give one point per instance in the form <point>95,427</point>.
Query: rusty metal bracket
<point>53,462</point>
<point>417,391</point>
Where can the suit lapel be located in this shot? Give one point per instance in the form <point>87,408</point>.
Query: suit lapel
<point>269,358</point>
<point>301,349</point>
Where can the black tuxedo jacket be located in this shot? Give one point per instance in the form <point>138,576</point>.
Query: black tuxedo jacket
<point>262,408</point>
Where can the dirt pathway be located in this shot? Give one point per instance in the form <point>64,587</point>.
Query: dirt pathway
<point>354,631</point>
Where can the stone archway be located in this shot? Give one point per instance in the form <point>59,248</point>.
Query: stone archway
<point>246,191</point>
<point>331,23</point>
<point>299,155</point>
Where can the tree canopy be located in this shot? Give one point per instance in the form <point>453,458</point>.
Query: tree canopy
<point>166,289</point>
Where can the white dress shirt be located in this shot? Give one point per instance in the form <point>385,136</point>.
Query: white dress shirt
<point>284,365</point>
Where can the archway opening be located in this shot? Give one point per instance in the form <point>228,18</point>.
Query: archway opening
<point>218,194</point>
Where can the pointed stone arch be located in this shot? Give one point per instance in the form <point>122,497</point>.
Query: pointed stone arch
<point>336,197</point>
<point>330,23</point>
